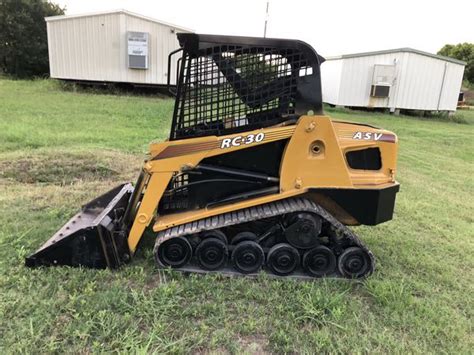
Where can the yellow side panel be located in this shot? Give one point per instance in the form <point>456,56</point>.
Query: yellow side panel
<point>313,157</point>
<point>387,143</point>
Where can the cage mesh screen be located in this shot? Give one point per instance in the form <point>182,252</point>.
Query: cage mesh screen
<point>233,88</point>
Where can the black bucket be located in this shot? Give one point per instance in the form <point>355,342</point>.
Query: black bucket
<point>94,238</point>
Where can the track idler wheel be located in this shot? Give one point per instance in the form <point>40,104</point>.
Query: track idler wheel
<point>319,261</point>
<point>354,263</point>
<point>248,257</point>
<point>240,237</point>
<point>283,259</point>
<point>216,233</point>
<point>174,252</point>
<point>211,253</point>
<point>303,230</point>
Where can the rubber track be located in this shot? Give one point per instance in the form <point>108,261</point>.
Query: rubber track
<point>254,213</point>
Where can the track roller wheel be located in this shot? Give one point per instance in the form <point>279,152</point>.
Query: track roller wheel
<point>211,253</point>
<point>283,259</point>
<point>174,252</point>
<point>248,257</point>
<point>216,233</point>
<point>319,261</point>
<point>354,263</point>
<point>240,237</point>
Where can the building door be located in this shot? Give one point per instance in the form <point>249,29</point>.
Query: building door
<point>381,88</point>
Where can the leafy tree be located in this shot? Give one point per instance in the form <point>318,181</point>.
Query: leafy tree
<point>23,39</point>
<point>464,52</point>
<point>256,69</point>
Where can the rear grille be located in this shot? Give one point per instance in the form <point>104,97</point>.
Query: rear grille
<point>365,159</point>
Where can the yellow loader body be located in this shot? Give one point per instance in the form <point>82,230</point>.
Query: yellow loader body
<point>253,176</point>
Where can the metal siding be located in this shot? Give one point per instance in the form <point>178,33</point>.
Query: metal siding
<point>48,33</point>
<point>95,48</point>
<point>331,80</point>
<point>122,57</point>
<point>423,81</point>
<point>82,48</point>
<point>420,83</point>
<point>452,87</point>
<point>404,83</point>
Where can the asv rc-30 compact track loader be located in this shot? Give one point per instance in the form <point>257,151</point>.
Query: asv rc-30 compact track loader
<point>253,175</point>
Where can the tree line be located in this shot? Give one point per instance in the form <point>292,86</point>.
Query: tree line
<point>23,38</point>
<point>464,52</point>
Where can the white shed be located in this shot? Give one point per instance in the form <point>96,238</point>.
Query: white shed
<point>396,79</point>
<point>113,46</point>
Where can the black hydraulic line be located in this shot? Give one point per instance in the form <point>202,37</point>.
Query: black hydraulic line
<point>246,195</point>
<point>208,181</point>
<point>236,172</point>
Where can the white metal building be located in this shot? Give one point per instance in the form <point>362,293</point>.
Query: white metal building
<point>397,79</point>
<point>113,46</point>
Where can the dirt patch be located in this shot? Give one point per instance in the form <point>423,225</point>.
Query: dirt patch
<point>61,169</point>
<point>254,344</point>
<point>251,344</point>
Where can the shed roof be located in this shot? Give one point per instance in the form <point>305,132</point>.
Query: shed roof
<point>118,11</point>
<point>397,50</point>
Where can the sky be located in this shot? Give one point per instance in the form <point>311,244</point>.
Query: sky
<point>332,27</point>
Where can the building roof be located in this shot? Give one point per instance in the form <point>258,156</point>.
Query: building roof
<point>118,11</point>
<point>397,50</point>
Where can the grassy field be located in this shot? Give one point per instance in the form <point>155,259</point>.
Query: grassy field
<point>59,149</point>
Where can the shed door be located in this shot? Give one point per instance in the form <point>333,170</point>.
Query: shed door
<point>137,50</point>
<point>382,81</point>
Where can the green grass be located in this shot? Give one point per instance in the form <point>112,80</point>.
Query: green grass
<point>60,149</point>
